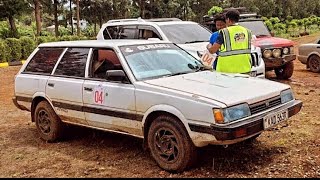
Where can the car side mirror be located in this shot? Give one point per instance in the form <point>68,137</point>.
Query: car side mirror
<point>117,75</point>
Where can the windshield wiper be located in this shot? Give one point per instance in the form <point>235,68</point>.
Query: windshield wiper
<point>178,73</point>
<point>198,67</point>
<point>189,42</point>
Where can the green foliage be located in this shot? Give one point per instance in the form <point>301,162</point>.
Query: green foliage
<point>14,46</point>
<point>72,38</point>
<point>64,31</point>
<point>269,24</point>
<point>44,39</point>
<point>89,31</point>
<point>4,51</point>
<point>214,10</point>
<point>4,30</point>
<point>274,20</point>
<point>27,46</point>
<point>26,31</point>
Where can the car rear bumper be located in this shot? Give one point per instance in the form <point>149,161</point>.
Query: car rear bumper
<point>15,102</point>
<point>278,62</point>
<point>240,131</point>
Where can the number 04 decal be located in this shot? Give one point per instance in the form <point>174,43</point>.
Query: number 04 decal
<point>98,95</point>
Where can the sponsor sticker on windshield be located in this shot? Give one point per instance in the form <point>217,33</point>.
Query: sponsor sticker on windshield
<point>127,50</point>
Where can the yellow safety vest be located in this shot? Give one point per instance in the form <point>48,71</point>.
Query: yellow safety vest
<point>234,55</point>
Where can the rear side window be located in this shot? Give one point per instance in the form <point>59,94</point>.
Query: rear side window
<point>111,32</point>
<point>73,62</point>
<point>128,32</point>
<point>44,60</point>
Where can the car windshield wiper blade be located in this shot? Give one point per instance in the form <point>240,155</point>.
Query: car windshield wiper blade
<point>196,41</point>
<point>178,73</point>
<point>198,67</point>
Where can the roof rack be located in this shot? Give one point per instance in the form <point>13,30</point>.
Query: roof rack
<point>144,20</point>
<point>126,20</point>
<point>252,15</point>
<point>162,19</point>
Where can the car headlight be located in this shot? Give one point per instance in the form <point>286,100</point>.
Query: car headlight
<point>286,51</point>
<point>276,53</point>
<point>286,96</point>
<point>231,113</point>
<point>267,53</point>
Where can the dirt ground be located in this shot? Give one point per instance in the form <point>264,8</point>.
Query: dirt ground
<point>290,150</point>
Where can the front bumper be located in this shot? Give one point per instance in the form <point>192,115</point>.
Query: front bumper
<point>278,62</point>
<point>239,131</point>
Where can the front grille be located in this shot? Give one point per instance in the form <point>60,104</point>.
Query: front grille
<point>264,105</point>
<point>254,59</point>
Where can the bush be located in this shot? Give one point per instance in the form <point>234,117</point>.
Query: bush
<point>14,47</point>
<point>4,54</point>
<point>27,46</point>
<point>72,38</point>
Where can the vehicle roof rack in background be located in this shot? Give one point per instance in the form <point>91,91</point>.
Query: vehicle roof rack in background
<point>126,20</point>
<point>250,15</point>
<point>162,19</point>
<point>144,20</point>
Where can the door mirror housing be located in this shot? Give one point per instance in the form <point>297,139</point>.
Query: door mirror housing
<point>117,75</point>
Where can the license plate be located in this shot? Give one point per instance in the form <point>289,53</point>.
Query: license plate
<point>274,119</point>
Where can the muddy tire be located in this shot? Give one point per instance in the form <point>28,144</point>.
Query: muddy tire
<point>314,63</point>
<point>286,71</point>
<point>49,125</point>
<point>170,144</point>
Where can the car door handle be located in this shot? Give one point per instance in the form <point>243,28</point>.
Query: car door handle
<point>88,89</point>
<point>50,84</point>
<point>318,46</point>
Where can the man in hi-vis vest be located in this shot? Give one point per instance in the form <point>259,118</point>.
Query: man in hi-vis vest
<point>234,46</point>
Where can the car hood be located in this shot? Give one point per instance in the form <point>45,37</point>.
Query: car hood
<point>230,89</point>
<point>272,42</point>
<point>194,46</point>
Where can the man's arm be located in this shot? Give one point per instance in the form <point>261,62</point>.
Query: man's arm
<point>216,46</point>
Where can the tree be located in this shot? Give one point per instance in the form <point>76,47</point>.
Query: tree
<point>56,23</point>
<point>78,18</point>
<point>37,15</point>
<point>11,8</point>
<point>215,10</point>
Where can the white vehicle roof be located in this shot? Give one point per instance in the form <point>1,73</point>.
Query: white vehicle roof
<point>99,43</point>
<point>136,21</point>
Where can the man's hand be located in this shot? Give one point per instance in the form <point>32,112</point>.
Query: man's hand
<point>213,48</point>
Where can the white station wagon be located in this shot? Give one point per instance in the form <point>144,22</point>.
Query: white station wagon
<point>152,90</point>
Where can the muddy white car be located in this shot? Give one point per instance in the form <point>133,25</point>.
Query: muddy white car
<point>151,90</point>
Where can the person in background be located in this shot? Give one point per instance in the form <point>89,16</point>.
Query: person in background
<point>220,23</point>
<point>234,46</point>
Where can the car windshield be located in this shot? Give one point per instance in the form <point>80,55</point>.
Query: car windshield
<point>258,28</point>
<point>159,60</point>
<point>186,33</point>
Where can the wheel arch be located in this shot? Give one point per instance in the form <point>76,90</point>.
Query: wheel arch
<point>155,111</point>
<point>310,55</point>
<point>37,98</point>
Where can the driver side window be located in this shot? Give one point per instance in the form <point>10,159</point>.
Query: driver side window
<point>104,60</point>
